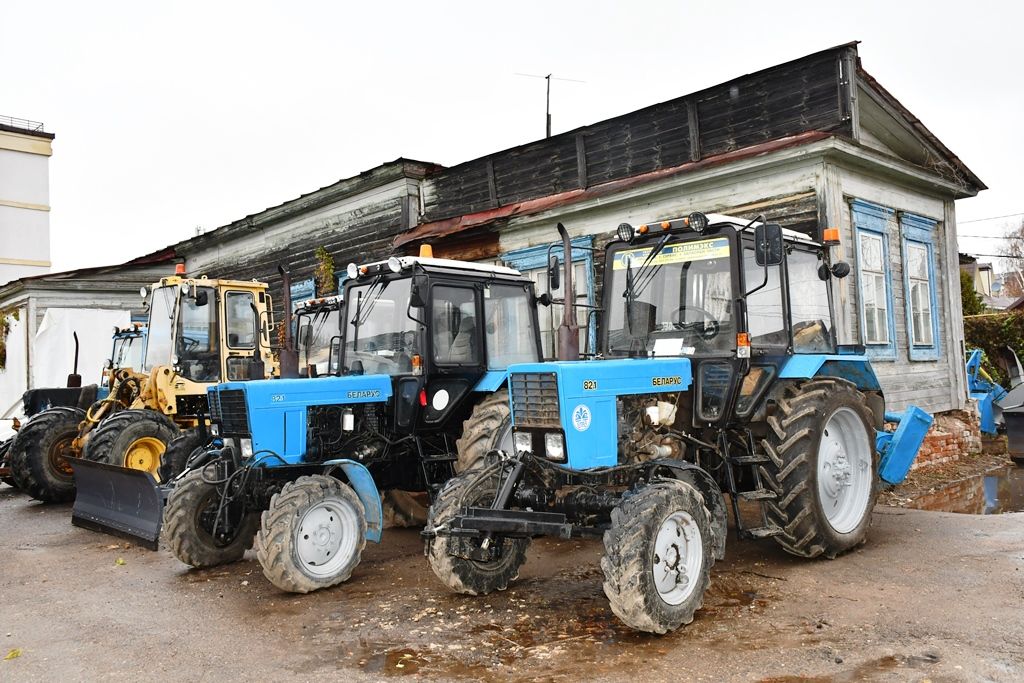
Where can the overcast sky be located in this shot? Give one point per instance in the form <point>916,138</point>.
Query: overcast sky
<point>170,116</point>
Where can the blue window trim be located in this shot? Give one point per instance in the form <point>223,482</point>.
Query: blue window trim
<point>920,231</point>
<point>874,219</point>
<point>531,258</point>
<point>303,290</point>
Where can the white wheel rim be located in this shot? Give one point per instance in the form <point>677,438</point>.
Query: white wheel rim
<point>326,537</point>
<point>844,470</point>
<point>678,557</point>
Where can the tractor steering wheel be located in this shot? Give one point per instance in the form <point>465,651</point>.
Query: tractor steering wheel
<point>191,344</point>
<point>706,328</point>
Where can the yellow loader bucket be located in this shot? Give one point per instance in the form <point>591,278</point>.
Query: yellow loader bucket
<point>117,500</point>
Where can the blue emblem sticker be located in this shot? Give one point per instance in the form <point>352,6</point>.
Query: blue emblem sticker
<point>581,418</point>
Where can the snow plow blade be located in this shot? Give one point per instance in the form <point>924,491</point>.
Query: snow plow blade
<point>117,500</point>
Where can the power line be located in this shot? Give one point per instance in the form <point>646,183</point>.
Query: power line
<point>993,237</point>
<point>990,218</point>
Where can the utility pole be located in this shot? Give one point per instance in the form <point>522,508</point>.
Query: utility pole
<point>547,101</point>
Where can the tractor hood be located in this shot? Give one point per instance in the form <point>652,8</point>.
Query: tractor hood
<point>272,413</point>
<point>585,394</point>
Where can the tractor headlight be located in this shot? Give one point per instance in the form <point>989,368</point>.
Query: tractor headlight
<point>554,446</point>
<point>246,446</point>
<point>144,292</point>
<point>215,429</point>
<point>522,441</point>
<point>624,232</point>
<point>352,270</point>
<point>394,264</point>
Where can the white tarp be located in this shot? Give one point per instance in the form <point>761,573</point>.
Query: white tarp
<point>53,350</point>
<point>14,378</point>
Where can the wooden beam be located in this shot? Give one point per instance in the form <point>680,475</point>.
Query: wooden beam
<point>581,160</point>
<point>694,126</point>
<point>492,187</point>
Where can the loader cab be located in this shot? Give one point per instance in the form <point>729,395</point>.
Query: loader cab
<point>439,328</point>
<point>128,350</point>
<point>206,331</point>
<point>737,298</point>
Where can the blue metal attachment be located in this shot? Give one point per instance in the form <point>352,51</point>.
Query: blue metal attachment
<point>898,449</point>
<point>361,481</point>
<point>984,391</point>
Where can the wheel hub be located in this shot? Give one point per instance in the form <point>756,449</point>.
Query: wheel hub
<point>144,454</point>
<point>678,557</point>
<point>324,537</point>
<point>844,470</point>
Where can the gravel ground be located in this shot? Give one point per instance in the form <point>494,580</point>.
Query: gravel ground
<point>931,596</point>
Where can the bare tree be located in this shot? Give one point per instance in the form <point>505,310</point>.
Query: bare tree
<point>1013,253</point>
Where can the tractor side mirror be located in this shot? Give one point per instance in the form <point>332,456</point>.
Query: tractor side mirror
<point>768,244</point>
<point>554,274</point>
<point>416,300</point>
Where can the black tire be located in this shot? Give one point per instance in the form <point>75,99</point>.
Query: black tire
<point>5,449</point>
<point>132,438</point>
<point>181,447</point>
<point>38,454</point>
<point>277,541</point>
<point>404,509</point>
<point>488,425</point>
<point>793,444</point>
<point>188,522</point>
<point>632,561</point>
<point>449,555</point>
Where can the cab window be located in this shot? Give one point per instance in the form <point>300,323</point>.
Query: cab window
<point>241,320</point>
<point>455,326</point>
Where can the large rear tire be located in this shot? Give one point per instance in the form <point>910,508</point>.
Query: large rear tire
<point>5,449</point>
<point>189,525</point>
<point>135,439</point>
<point>823,468</point>
<point>488,428</point>
<point>179,450</point>
<point>312,535</point>
<point>405,509</point>
<point>449,555</point>
<point>658,557</point>
<point>39,454</point>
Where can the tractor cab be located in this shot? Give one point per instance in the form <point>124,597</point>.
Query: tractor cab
<point>318,335</point>
<point>128,350</point>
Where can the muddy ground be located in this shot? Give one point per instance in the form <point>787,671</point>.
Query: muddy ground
<point>932,596</point>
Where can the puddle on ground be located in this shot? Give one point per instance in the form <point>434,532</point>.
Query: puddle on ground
<point>991,493</point>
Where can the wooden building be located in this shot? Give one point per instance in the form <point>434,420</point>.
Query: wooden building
<point>812,143</point>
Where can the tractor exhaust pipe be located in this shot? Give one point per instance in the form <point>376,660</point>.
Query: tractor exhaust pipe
<point>289,356</point>
<point>569,328</point>
<point>74,379</point>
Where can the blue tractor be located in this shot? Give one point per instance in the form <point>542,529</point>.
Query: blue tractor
<point>718,373</point>
<point>411,391</point>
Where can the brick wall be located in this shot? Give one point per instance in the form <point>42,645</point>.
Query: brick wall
<point>953,435</point>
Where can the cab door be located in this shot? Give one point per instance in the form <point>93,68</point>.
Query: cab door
<point>455,346</point>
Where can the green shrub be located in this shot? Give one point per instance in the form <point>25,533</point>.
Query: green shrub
<point>991,333</point>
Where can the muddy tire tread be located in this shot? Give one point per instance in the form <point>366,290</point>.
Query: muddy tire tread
<point>29,473</point>
<point>182,537</point>
<point>481,429</point>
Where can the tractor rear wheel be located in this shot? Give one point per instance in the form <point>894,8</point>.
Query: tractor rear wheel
<point>658,556</point>
<point>179,450</point>
<point>449,556</point>
<point>822,467</point>
<point>405,509</point>
<point>196,534</point>
<point>312,535</point>
<point>488,428</point>
<point>5,449</point>
<point>135,439</point>
<point>39,454</point>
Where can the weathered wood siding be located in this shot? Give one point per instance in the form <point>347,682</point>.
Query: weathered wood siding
<point>359,227</point>
<point>785,100</point>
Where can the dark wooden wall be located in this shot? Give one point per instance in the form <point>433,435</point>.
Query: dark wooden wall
<point>800,96</point>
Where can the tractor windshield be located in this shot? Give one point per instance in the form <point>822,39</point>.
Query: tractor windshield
<point>676,302</point>
<point>163,305</point>
<point>198,345</point>
<point>316,331</point>
<point>380,335</point>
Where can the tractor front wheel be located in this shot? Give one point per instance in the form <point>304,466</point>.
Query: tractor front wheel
<point>822,467</point>
<point>405,509</point>
<point>451,558</point>
<point>40,451</point>
<point>312,535</point>
<point>658,556</point>
<point>202,531</point>
<point>135,439</point>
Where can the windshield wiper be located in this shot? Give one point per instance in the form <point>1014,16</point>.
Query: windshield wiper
<point>643,276</point>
